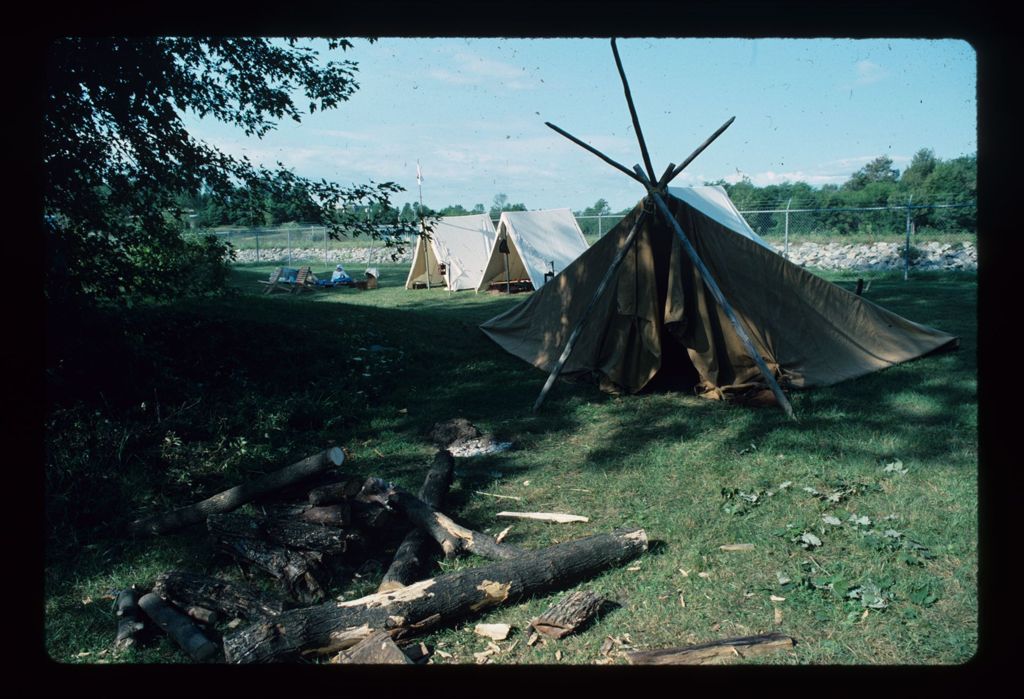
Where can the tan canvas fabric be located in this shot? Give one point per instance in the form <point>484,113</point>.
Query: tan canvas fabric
<point>809,331</point>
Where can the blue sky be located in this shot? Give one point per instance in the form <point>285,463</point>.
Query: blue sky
<point>472,112</point>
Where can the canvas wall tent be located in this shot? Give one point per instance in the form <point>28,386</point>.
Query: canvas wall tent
<point>656,314</point>
<point>536,241</point>
<point>460,243</point>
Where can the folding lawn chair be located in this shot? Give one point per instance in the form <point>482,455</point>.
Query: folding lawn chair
<point>275,281</point>
<point>305,280</point>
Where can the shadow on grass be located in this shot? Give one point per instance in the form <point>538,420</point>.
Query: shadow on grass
<point>294,373</point>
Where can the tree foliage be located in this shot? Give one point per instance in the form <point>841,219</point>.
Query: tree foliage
<point>118,162</point>
<point>928,180</point>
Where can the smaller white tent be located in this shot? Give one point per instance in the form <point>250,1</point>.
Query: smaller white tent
<point>455,255</point>
<point>536,241</point>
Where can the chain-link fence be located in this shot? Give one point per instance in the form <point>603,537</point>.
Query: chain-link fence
<point>933,221</point>
<point>295,245</point>
<point>783,226</point>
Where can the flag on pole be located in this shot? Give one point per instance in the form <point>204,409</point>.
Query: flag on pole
<point>419,174</point>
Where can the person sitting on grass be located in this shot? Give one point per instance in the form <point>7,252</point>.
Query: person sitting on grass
<point>340,276</point>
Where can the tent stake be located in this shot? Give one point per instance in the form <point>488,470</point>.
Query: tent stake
<point>632,113</point>
<point>712,285</point>
<point>616,262</point>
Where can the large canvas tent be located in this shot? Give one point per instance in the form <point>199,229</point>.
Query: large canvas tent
<point>655,313</point>
<point>537,243</point>
<point>455,254</point>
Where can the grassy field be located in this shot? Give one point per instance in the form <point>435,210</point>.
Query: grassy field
<point>862,514</point>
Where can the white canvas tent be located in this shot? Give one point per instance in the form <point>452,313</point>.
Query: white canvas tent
<point>461,244</point>
<point>536,241</point>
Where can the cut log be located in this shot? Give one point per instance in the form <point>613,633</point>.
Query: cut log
<point>290,533</point>
<point>375,649</point>
<point>178,626</point>
<point>713,653</point>
<point>559,517</point>
<point>453,537</point>
<point>424,605</point>
<point>129,619</point>
<point>229,599</point>
<point>301,571</point>
<point>234,498</point>
<point>410,558</point>
<point>202,615</point>
<point>337,515</point>
<point>567,615</point>
<point>334,493</point>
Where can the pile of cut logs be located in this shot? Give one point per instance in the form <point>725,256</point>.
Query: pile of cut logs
<point>303,545</point>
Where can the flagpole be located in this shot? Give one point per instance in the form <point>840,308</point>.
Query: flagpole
<point>423,230</point>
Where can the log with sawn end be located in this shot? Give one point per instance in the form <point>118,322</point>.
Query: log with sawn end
<point>568,614</point>
<point>424,605</point>
<point>179,627</point>
<point>453,537</point>
<point>233,498</point>
<point>408,563</point>
<point>129,620</point>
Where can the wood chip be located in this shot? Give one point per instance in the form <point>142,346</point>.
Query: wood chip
<point>682,602</point>
<point>703,575</point>
<point>778,616</point>
<point>443,654</point>
<point>685,573</point>
<point>534,637</point>
<point>736,547</point>
<point>776,598</point>
<point>494,495</point>
<point>497,632</point>
<point>559,517</point>
<point>558,655</point>
<point>503,533</point>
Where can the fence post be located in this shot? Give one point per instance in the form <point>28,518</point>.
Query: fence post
<point>289,247</point>
<point>325,247</point>
<point>906,251</point>
<point>257,246</point>
<point>786,238</point>
<point>600,231</point>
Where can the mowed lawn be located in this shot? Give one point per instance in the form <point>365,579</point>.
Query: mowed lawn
<point>862,514</point>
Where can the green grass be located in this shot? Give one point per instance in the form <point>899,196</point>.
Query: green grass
<point>247,383</point>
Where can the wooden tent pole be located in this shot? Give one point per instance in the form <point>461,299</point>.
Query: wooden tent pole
<point>700,149</point>
<point>570,343</point>
<point>595,151</point>
<point>712,285</point>
<point>632,114</point>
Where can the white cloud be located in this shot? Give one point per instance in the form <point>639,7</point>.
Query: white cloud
<point>869,72</point>
<point>473,69</point>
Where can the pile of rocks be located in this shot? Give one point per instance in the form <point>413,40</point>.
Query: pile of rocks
<point>366,256</point>
<point>884,256</point>
<point>832,255</point>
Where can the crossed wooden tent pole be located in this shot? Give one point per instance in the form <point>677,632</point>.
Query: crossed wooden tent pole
<point>655,189</point>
